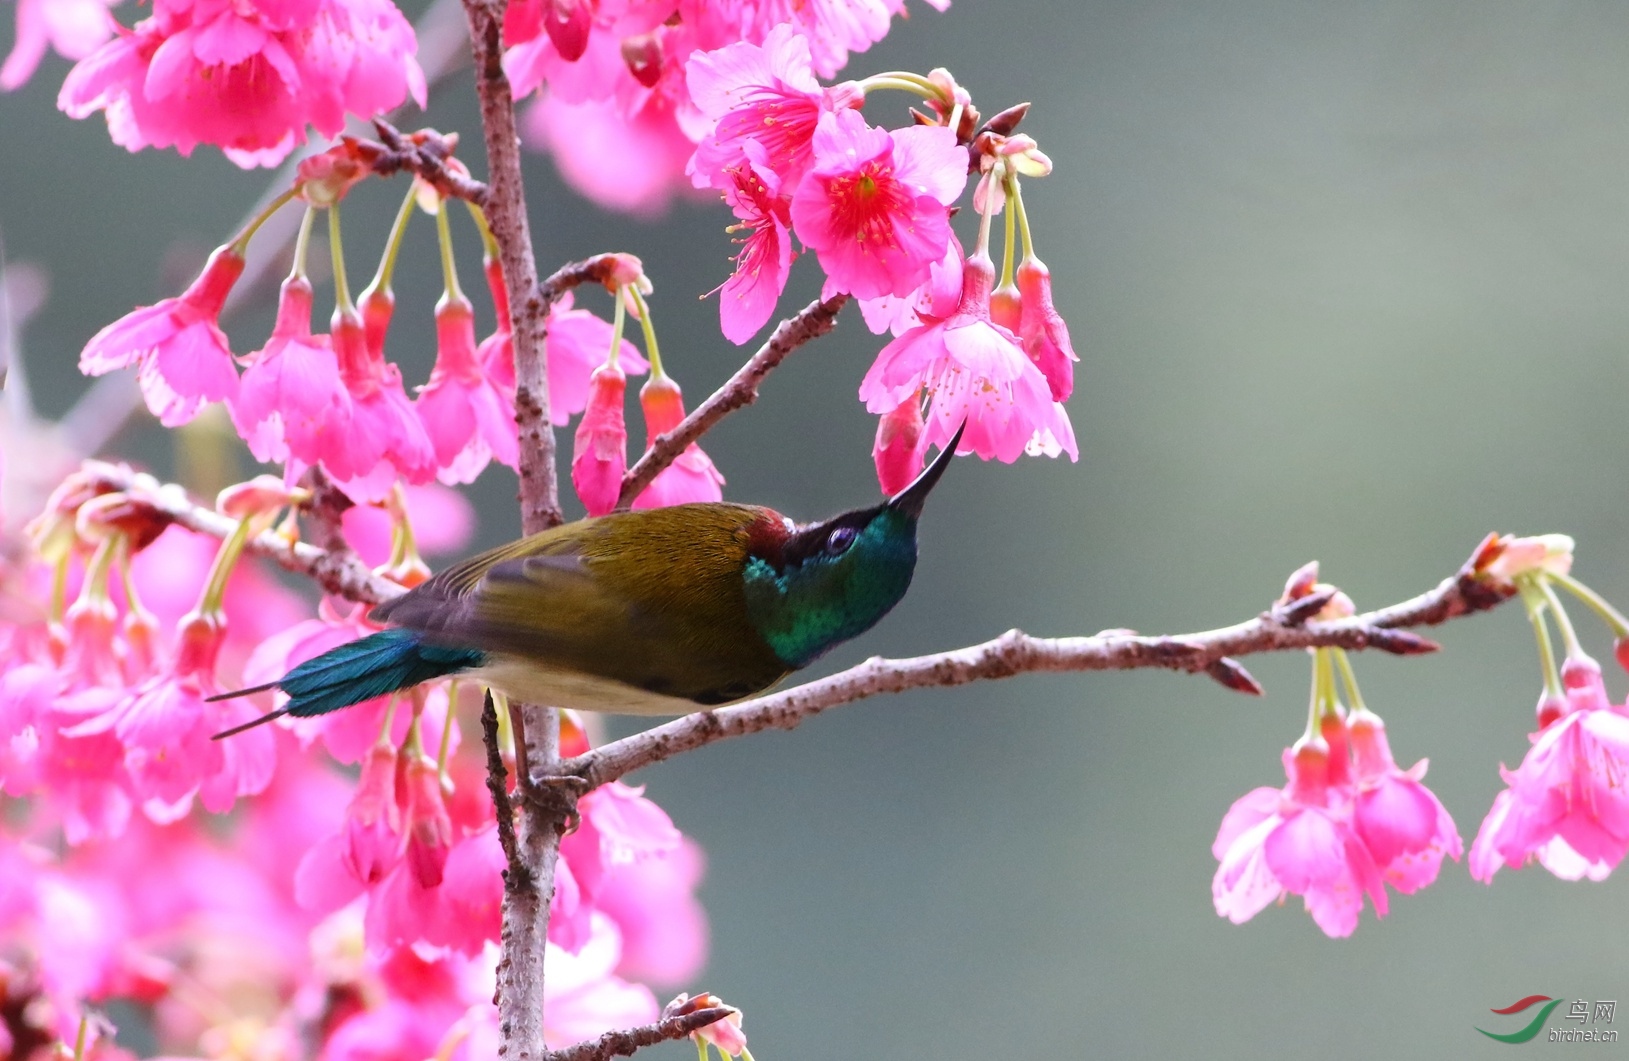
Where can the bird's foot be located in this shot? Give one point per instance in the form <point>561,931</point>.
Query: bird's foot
<point>556,795</point>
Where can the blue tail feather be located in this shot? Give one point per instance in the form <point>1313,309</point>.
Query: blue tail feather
<point>371,666</point>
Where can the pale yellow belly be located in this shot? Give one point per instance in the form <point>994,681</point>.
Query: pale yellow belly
<point>582,692</point>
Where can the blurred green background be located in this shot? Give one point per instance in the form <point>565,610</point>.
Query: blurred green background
<point>1347,281</point>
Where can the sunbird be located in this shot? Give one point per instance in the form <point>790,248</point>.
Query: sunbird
<point>653,612</point>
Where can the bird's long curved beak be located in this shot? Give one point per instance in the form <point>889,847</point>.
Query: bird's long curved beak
<point>911,499</point>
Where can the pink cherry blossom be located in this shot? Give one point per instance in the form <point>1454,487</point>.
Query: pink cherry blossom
<point>443,522</point>
<point>1403,824</point>
<point>177,345</point>
<point>1567,804</point>
<point>247,77</point>
<point>691,476</point>
<point>576,343</point>
<point>1299,841</point>
<point>74,28</point>
<point>975,371</point>
<point>599,449</point>
<point>747,299</point>
<point>764,94</point>
<point>1045,335</point>
<point>898,452</point>
<point>653,902</point>
<point>291,394</point>
<point>468,419</point>
<point>650,148</point>
<point>875,206</point>
<point>427,825</point>
<point>384,438</point>
<point>373,821</point>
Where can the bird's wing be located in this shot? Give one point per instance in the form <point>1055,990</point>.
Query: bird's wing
<point>646,599</point>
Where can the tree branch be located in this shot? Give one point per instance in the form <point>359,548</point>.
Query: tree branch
<point>337,572</point>
<point>506,213</point>
<point>529,882</point>
<point>1016,652</point>
<point>626,1042</point>
<point>811,322</point>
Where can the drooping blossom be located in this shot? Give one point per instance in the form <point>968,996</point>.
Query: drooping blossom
<point>875,205</point>
<point>599,454</point>
<point>747,299</point>
<point>177,345</point>
<point>383,439</point>
<point>1404,825</point>
<point>469,420</point>
<point>692,475</point>
<point>1042,328</point>
<point>247,77</point>
<point>1297,841</point>
<point>291,395</point>
<point>1567,804</point>
<point>73,28</point>
<point>975,371</point>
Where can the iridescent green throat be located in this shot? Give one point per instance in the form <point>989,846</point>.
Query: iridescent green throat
<point>806,608</point>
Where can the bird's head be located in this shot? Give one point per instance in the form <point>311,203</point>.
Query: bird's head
<point>833,580</point>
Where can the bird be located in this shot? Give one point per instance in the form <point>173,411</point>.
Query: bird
<point>651,612</point>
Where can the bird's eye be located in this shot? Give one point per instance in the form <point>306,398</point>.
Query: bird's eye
<point>839,540</point>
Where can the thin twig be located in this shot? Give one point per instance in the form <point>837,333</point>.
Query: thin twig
<point>497,779</point>
<point>339,573</point>
<point>626,1042</point>
<point>423,153</point>
<point>1016,652</point>
<point>741,389</point>
<point>600,269</point>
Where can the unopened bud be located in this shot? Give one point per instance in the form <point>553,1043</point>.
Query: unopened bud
<point>1549,553</point>
<point>323,179</point>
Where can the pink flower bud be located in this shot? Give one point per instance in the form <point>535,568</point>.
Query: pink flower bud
<point>429,827</point>
<point>373,821</point>
<point>599,449</point>
<point>568,23</point>
<point>898,450</point>
<point>691,476</point>
<point>1042,329</point>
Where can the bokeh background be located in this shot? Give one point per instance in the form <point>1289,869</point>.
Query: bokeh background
<point>1348,282</point>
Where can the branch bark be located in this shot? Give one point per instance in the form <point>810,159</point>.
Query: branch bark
<point>811,322</point>
<point>1016,652</point>
<point>529,882</point>
<point>337,572</point>
<point>626,1042</point>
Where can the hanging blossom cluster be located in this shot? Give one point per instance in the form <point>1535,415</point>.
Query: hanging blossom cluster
<point>1349,821</point>
<point>248,76</point>
<point>612,80</point>
<point>362,917</point>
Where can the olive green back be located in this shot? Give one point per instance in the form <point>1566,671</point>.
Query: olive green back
<point>652,599</point>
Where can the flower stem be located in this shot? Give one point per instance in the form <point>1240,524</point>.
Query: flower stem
<point>1017,196</point>
<point>342,290</point>
<point>449,266</point>
<point>652,354</point>
<point>1349,678</point>
<point>1533,601</point>
<point>302,244</point>
<point>903,81</point>
<point>1563,622</point>
<point>225,559</point>
<point>1613,618</point>
<point>241,244</point>
<point>1009,184</point>
<point>619,318</point>
<point>387,261</point>
<point>446,731</point>
<point>489,242</point>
